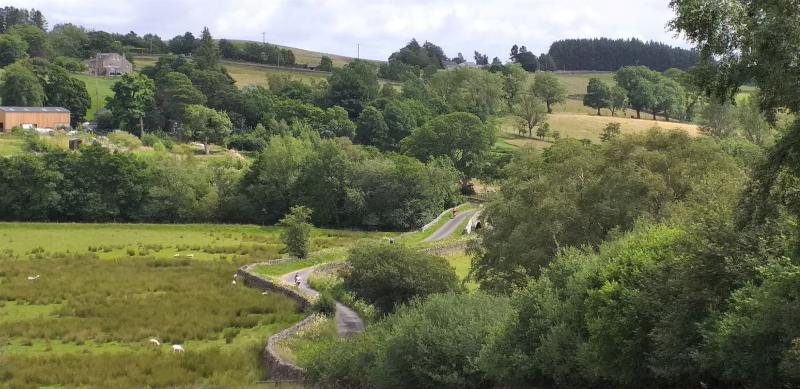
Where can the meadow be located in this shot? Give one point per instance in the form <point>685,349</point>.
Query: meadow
<point>105,289</point>
<point>99,88</point>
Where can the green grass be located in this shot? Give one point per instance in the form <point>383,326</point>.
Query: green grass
<point>11,145</point>
<point>462,262</point>
<point>99,88</point>
<point>576,82</point>
<point>318,336</point>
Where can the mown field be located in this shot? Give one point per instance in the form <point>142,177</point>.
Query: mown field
<point>105,289</point>
<point>99,88</point>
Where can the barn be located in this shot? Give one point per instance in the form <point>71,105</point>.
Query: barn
<point>33,117</point>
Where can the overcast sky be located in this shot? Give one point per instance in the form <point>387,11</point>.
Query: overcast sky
<point>380,26</point>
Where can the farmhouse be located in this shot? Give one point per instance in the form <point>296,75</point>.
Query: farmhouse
<point>109,64</point>
<point>33,117</point>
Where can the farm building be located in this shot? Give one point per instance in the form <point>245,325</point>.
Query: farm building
<point>33,117</point>
<point>109,64</point>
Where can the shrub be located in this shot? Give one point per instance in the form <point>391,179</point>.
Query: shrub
<point>431,343</point>
<point>387,275</point>
<point>124,139</point>
<point>325,305</point>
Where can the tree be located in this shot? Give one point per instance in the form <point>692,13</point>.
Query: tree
<point>610,131</point>
<point>12,49</point>
<point>353,87</point>
<point>526,59</point>
<point>618,99</point>
<point>530,111</point>
<point>62,90</point>
<point>133,99</point>
<point>207,54</point>
<point>174,93</point>
<point>640,84</point>
<point>70,40</point>
<point>469,90</point>
<point>604,54</point>
<point>459,59</point>
<point>461,137</point>
<point>21,87</point>
<point>325,64</point>
<point>371,129</point>
<point>400,121</point>
<point>549,89</point>
<point>598,95</point>
<point>481,59</point>
<point>388,275</point>
<point>297,231</point>
<point>515,79</point>
<point>206,124</point>
<point>543,131</point>
<point>718,119</point>
<point>38,44</point>
<point>555,134</point>
<point>752,122</point>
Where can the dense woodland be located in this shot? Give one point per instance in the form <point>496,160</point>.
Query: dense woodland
<point>605,54</point>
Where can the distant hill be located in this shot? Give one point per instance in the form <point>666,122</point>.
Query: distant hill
<point>309,57</point>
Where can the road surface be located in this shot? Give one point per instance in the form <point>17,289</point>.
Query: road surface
<point>347,321</point>
<point>450,227</point>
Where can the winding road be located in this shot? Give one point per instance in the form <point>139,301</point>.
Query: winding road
<point>347,321</point>
<point>450,227</point>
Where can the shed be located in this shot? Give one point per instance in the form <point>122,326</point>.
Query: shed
<point>33,117</point>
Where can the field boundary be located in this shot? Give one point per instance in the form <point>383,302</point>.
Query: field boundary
<point>278,368</point>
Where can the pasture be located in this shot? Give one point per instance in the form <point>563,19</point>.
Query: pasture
<point>580,126</point>
<point>105,289</point>
<point>99,88</point>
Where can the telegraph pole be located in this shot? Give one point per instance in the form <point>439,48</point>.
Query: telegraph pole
<point>358,50</point>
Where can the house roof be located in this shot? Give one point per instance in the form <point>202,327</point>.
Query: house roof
<point>34,109</point>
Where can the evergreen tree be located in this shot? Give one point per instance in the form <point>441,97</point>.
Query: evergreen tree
<point>207,54</point>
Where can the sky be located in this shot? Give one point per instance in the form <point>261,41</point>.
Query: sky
<point>379,27</point>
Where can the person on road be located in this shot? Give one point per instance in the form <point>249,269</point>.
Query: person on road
<point>297,279</point>
<point>452,212</point>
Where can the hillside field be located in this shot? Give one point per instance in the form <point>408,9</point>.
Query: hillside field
<point>99,88</point>
<point>105,289</point>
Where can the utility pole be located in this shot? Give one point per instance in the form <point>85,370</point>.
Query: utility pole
<point>358,50</point>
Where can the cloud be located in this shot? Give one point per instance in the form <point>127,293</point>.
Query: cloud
<point>379,26</point>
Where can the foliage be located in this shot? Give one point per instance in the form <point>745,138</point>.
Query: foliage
<point>530,111</point>
<point>611,131</point>
<point>20,87</point>
<point>598,95</point>
<point>297,231</point>
<point>575,194</point>
<point>12,49</point>
<point>62,90</point>
<point>547,87</point>
<point>124,139</point>
<point>431,343</point>
<point>207,54</point>
<point>469,90</point>
<point>325,305</point>
<point>206,124</point>
<point>611,54</point>
<point>133,98</point>
<point>388,275</point>
<point>353,87</point>
<point>325,64</point>
<point>460,137</point>
<point>718,119</point>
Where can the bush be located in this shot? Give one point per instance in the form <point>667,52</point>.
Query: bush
<point>325,305</point>
<point>38,144</point>
<point>387,275</point>
<point>125,139</point>
<point>431,343</point>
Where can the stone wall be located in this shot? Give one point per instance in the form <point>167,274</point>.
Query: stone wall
<point>279,369</point>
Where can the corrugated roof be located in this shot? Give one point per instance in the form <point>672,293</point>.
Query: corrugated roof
<point>33,109</point>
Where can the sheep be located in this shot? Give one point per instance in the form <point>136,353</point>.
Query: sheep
<point>155,342</point>
<point>176,255</point>
<point>233,282</point>
<point>178,348</point>
<point>264,293</point>
<point>190,255</point>
<point>33,278</point>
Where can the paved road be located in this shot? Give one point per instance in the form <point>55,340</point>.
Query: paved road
<point>450,227</point>
<point>347,321</point>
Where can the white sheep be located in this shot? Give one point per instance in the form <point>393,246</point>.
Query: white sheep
<point>176,255</point>
<point>233,282</point>
<point>155,342</point>
<point>178,348</point>
<point>190,255</point>
<point>33,278</point>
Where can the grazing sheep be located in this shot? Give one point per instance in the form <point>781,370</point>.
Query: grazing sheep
<point>155,341</point>
<point>33,278</point>
<point>190,255</point>
<point>233,282</point>
<point>176,255</point>
<point>235,275</point>
<point>178,348</point>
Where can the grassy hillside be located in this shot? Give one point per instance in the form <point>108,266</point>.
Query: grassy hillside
<point>99,88</point>
<point>581,126</point>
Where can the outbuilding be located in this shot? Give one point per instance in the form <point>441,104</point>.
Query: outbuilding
<point>33,117</point>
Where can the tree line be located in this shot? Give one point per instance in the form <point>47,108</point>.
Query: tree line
<point>604,54</point>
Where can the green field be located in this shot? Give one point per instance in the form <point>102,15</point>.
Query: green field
<point>105,289</point>
<point>99,88</point>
